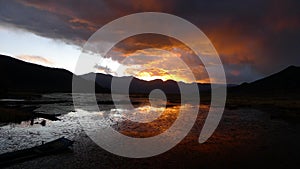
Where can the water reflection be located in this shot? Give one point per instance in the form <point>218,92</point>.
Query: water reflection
<point>143,114</point>
<point>142,120</point>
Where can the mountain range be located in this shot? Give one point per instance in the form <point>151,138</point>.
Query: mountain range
<point>20,76</point>
<point>284,82</point>
<point>141,86</point>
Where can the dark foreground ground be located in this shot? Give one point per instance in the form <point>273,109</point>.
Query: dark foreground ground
<point>249,141</point>
<point>247,137</point>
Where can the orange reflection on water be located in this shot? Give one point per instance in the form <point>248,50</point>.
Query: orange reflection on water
<point>152,128</point>
<point>155,127</point>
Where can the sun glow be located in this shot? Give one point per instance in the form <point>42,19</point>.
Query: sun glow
<point>148,76</point>
<point>153,63</point>
<point>164,77</point>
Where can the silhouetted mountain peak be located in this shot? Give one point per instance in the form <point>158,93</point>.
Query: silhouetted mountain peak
<point>292,69</point>
<point>19,76</point>
<point>286,81</point>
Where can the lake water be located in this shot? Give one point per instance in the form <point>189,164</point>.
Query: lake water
<point>153,120</point>
<point>245,137</point>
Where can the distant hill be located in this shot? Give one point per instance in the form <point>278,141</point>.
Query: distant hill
<point>285,82</point>
<point>141,86</point>
<point>20,76</point>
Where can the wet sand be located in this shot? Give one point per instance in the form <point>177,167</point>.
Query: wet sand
<point>245,138</point>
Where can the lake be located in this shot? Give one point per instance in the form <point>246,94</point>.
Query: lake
<point>245,137</point>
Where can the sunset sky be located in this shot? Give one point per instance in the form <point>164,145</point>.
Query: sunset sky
<point>253,38</point>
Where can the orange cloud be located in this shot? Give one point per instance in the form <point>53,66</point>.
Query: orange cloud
<point>252,34</point>
<point>234,45</point>
<point>154,56</point>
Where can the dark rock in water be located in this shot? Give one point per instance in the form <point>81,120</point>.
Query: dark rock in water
<point>52,117</point>
<point>43,123</point>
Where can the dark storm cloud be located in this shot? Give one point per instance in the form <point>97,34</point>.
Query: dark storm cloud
<point>253,38</point>
<point>144,41</point>
<point>40,22</point>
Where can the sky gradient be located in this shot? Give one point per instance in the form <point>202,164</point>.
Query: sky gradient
<point>253,38</point>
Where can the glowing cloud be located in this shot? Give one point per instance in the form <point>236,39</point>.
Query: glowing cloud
<point>35,59</point>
